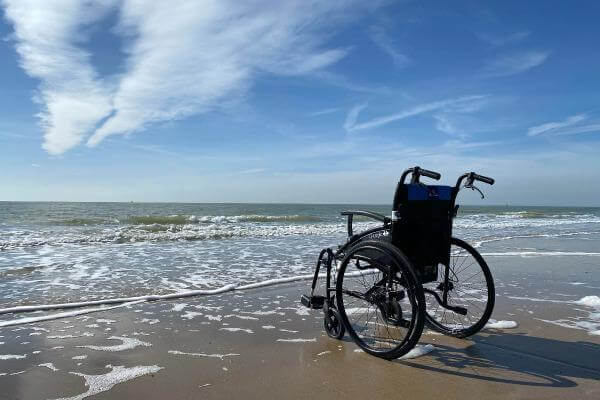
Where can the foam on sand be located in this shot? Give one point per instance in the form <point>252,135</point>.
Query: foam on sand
<point>124,301</point>
<point>12,356</point>
<point>297,340</point>
<point>237,330</point>
<point>49,366</point>
<point>102,383</point>
<point>65,314</point>
<point>220,356</point>
<point>45,307</point>
<point>493,324</point>
<point>127,344</point>
<point>418,351</point>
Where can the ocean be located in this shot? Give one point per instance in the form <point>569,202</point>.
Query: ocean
<point>53,252</point>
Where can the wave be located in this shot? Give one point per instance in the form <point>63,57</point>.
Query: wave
<point>178,219</point>
<point>170,233</point>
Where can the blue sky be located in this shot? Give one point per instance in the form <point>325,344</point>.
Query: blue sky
<point>297,101</point>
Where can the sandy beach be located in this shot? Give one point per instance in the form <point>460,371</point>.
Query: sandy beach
<point>261,343</point>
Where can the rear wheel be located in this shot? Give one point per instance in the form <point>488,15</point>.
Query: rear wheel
<point>380,299</point>
<point>470,286</point>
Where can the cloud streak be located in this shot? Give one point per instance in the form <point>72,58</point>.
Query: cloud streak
<point>514,64</point>
<point>382,40</point>
<point>554,126</point>
<point>458,104</point>
<point>183,58</point>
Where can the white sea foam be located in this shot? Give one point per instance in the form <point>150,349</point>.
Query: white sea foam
<point>65,314</point>
<point>150,321</point>
<point>220,356</point>
<point>590,301</point>
<point>246,317</point>
<point>237,330</point>
<point>49,366</point>
<point>297,340</point>
<point>493,324</point>
<point>118,374</point>
<point>418,351</point>
<point>127,344</point>
<point>12,356</point>
<point>129,300</point>
<point>179,307</point>
<point>191,314</point>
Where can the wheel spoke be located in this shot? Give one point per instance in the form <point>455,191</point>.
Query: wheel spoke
<point>470,286</point>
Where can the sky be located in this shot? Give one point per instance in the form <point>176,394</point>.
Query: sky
<point>297,101</point>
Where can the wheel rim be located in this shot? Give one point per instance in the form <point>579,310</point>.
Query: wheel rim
<point>333,325</point>
<point>468,288</point>
<point>379,315</point>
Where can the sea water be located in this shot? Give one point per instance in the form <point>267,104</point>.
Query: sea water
<point>68,252</point>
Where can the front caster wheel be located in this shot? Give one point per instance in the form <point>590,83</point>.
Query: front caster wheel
<point>333,323</point>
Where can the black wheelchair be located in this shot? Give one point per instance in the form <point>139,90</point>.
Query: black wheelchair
<point>385,283</point>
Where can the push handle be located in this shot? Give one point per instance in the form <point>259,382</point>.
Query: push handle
<point>483,179</point>
<point>431,174</point>
<point>417,172</point>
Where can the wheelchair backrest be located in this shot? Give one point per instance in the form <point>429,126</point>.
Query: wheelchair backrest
<point>423,225</point>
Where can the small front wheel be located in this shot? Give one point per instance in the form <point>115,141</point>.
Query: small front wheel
<point>469,285</point>
<point>333,323</point>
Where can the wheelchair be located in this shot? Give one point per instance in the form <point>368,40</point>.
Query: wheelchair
<point>384,284</point>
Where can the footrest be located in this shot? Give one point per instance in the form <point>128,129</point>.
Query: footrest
<point>314,302</point>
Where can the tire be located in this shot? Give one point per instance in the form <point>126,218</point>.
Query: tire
<point>466,264</point>
<point>380,301</point>
<point>332,322</point>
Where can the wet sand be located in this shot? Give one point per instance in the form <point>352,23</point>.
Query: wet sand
<point>262,344</point>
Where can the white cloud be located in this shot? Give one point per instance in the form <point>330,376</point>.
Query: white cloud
<point>382,40</point>
<point>554,126</point>
<point>459,104</point>
<point>188,58</point>
<point>444,124</point>
<point>47,37</point>
<point>579,129</point>
<point>323,112</point>
<point>501,40</point>
<point>515,63</point>
<point>184,57</point>
<point>352,116</point>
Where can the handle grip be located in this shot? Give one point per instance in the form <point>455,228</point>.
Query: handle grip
<point>430,174</point>
<point>483,179</point>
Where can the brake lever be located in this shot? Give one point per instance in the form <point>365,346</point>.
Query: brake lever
<point>474,188</point>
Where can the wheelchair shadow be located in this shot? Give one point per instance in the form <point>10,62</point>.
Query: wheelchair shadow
<point>516,359</point>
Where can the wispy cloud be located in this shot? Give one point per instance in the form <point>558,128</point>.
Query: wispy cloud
<point>183,58</point>
<point>379,36</point>
<point>515,63</point>
<point>324,112</point>
<point>352,116</point>
<point>341,81</point>
<point>47,38</point>
<point>554,126</point>
<point>501,40</point>
<point>444,124</point>
<point>459,104</point>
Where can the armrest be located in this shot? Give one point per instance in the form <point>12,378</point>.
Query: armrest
<point>369,214</point>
